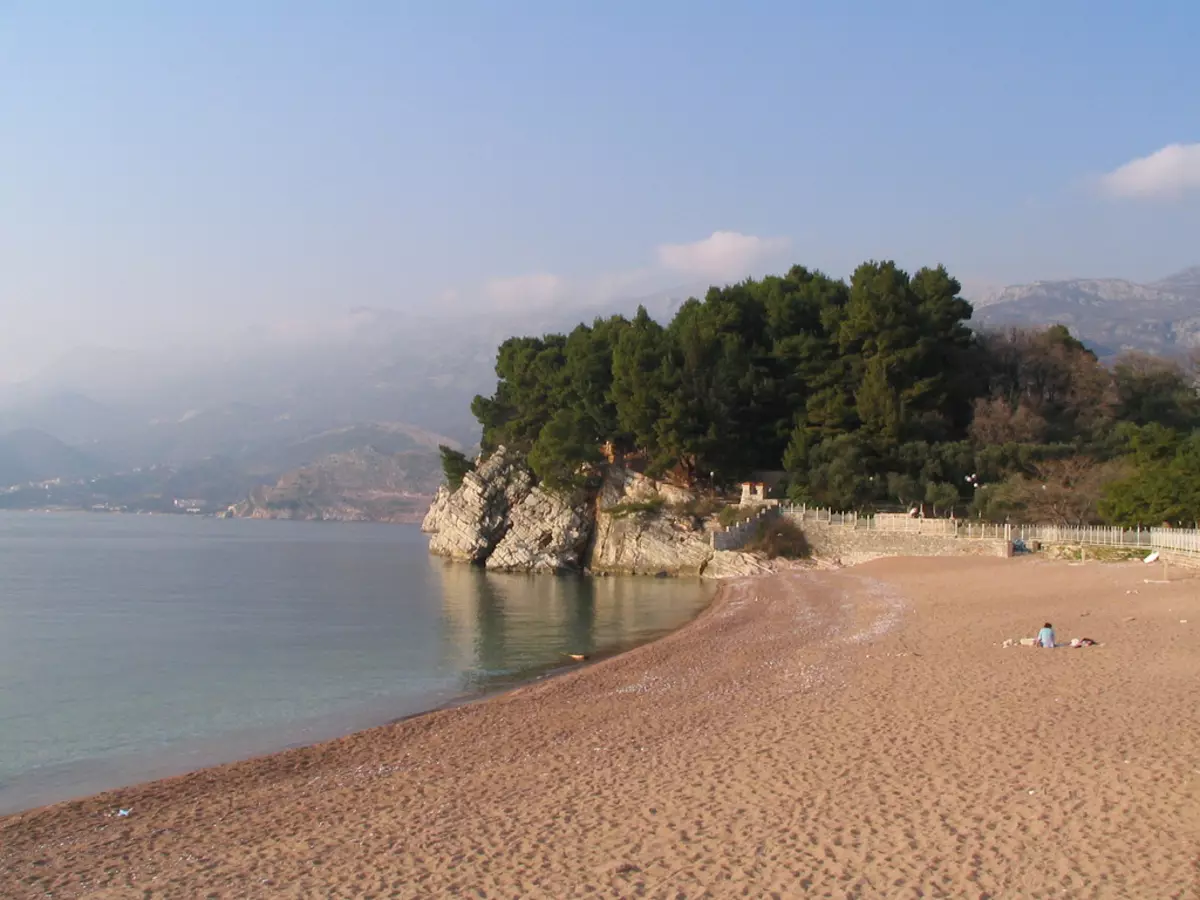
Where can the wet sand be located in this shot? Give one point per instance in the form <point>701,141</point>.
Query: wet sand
<point>848,733</point>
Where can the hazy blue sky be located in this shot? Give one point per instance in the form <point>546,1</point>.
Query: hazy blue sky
<point>181,169</point>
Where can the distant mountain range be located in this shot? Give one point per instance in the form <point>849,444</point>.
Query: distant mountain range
<point>205,426</point>
<point>38,471</point>
<point>361,485</point>
<point>28,455</point>
<point>1108,314</point>
<point>368,365</point>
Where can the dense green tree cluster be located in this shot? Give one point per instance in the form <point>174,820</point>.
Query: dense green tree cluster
<point>1162,479</point>
<point>868,393</point>
<point>455,465</point>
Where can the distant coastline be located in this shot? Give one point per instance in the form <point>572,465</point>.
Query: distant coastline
<point>410,518</point>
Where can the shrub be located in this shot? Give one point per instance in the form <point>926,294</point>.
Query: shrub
<point>735,515</point>
<point>778,537</point>
<point>636,508</point>
<point>454,466</point>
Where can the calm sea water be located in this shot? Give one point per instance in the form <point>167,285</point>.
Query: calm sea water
<point>134,647</point>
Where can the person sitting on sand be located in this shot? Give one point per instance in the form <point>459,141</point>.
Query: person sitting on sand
<point>1045,637</point>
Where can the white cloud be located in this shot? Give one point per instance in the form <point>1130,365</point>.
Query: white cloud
<point>723,254</point>
<point>524,291</point>
<point>1170,172</point>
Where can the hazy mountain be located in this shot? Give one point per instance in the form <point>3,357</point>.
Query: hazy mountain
<point>383,437</point>
<point>361,485</point>
<point>28,455</point>
<point>1186,283</point>
<point>1108,314</point>
<point>213,482</point>
<point>284,382</point>
<point>68,415</point>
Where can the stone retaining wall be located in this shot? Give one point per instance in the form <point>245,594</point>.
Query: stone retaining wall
<point>1183,560</point>
<point>852,545</point>
<point>737,536</point>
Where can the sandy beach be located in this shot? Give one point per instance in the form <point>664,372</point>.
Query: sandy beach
<point>839,733</point>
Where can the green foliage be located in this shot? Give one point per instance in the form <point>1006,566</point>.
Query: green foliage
<point>941,496</point>
<point>697,509</point>
<point>639,385</point>
<point>565,447</point>
<point>869,393</point>
<point>904,488</point>
<point>636,508</point>
<point>1155,391</point>
<point>1163,484</point>
<point>454,466</point>
<point>735,515</point>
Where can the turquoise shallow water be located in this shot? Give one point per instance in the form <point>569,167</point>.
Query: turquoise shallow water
<point>134,647</point>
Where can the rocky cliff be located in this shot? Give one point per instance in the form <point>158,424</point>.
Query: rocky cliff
<point>547,533</point>
<point>468,523</point>
<point>638,531</point>
<point>631,525</point>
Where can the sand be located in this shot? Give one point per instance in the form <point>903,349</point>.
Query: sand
<point>846,733</point>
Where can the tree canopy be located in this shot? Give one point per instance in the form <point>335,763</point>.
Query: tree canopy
<point>455,465</point>
<point>866,393</point>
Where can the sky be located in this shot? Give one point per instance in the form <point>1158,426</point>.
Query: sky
<point>171,173</point>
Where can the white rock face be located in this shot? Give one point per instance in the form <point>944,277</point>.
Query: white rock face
<point>499,519</point>
<point>547,533</point>
<point>437,509</point>
<point>468,523</point>
<point>623,486</point>
<point>645,543</point>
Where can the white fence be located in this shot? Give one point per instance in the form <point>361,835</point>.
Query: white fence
<point>1175,540</point>
<point>1096,535</point>
<point>895,523</point>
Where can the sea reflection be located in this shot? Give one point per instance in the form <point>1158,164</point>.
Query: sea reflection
<point>501,628</point>
<point>134,647</point>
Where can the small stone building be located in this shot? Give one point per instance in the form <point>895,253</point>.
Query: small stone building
<point>754,493</point>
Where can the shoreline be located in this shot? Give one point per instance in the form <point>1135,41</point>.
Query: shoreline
<point>466,700</point>
<point>210,756</point>
<point>858,730</point>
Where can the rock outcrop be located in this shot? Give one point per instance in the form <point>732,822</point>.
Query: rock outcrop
<point>648,544</point>
<point>637,533</point>
<point>547,533</point>
<point>622,486</point>
<point>468,523</point>
<point>437,509</point>
<point>633,525</point>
